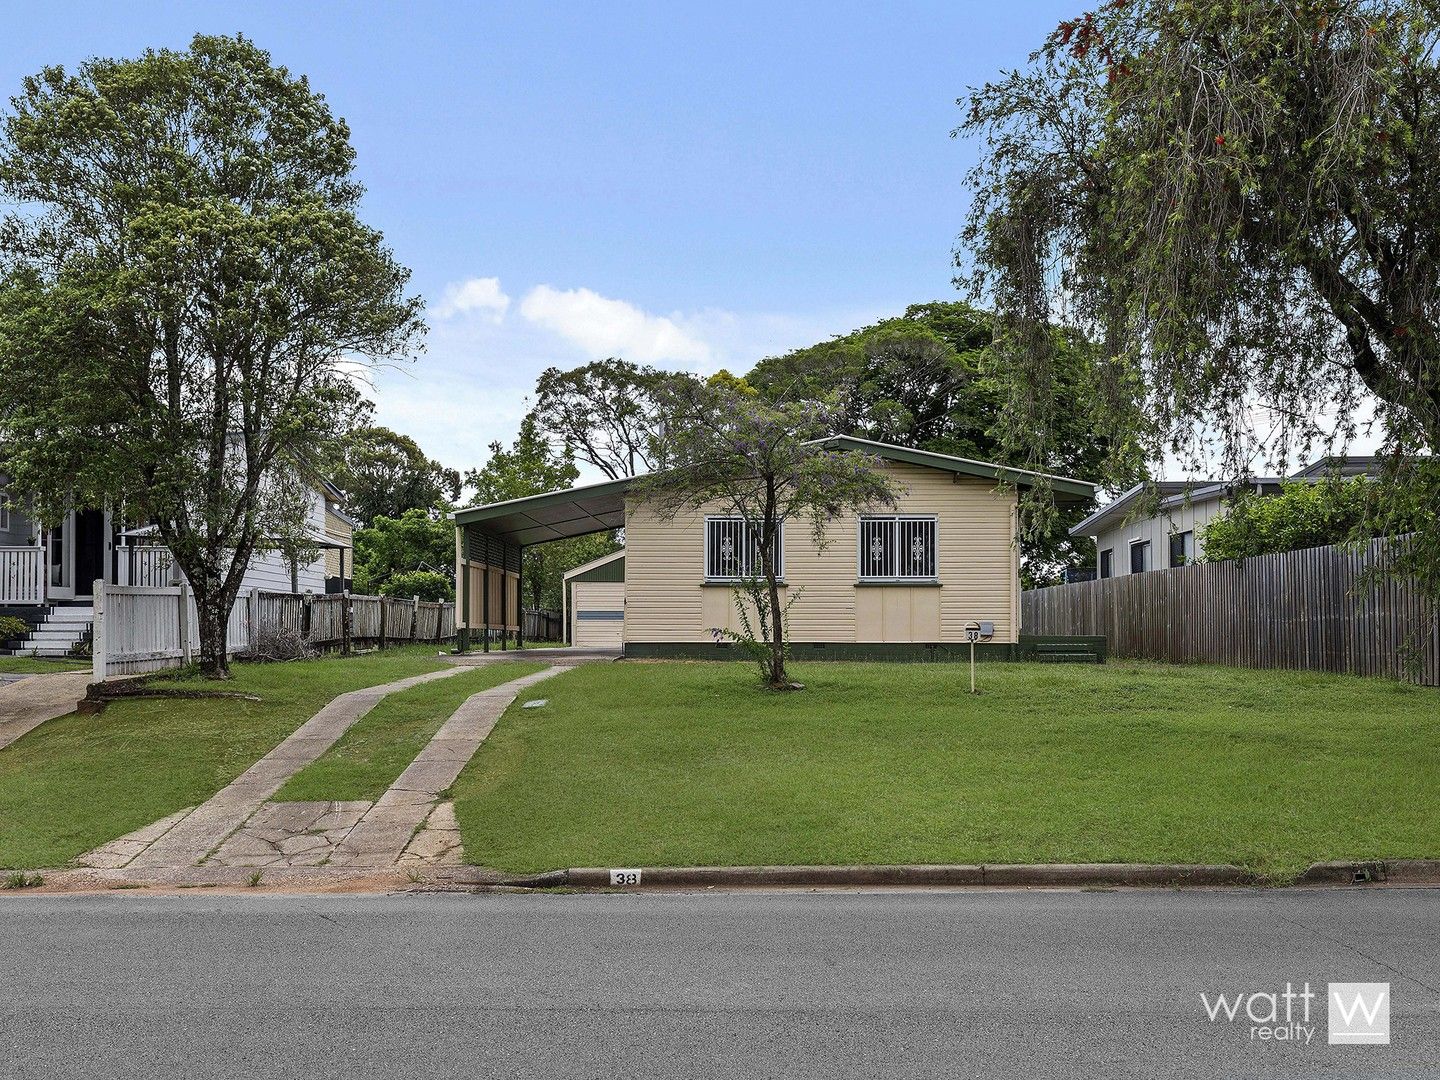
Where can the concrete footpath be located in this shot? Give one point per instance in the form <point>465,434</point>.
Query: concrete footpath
<point>27,703</point>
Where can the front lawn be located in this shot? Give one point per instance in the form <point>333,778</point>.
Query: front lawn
<point>377,748</point>
<point>656,764</point>
<point>35,665</point>
<point>76,782</point>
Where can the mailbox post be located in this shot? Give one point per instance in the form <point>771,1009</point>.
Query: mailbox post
<point>977,631</point>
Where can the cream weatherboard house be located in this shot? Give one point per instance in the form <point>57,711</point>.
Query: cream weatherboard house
<point>901,583</point>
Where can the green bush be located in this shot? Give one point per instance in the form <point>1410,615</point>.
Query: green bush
<point>1303,515</point>
<point>425,584</point>
<point>12,628</point>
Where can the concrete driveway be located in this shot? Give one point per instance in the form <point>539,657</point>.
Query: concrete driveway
<point>27,703</point>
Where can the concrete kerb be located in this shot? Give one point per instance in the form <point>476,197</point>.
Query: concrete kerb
<point>1078,875</point>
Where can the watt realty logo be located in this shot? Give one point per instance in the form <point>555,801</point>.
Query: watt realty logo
<point>1358,1013</point>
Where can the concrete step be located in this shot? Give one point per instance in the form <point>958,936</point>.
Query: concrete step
<point>75,626</point>
<point>56,651</point>
<point>52,637</point>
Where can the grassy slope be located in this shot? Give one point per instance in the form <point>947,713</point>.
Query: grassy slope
<point>680,764</point>
<point>369,756</point>
<point>78,781</point>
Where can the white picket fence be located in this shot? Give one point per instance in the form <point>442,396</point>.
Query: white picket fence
<point>149,628</point>
<point>22,575</point>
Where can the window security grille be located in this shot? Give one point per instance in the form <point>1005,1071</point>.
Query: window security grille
<point>897,548</point>
<point>732,550</point>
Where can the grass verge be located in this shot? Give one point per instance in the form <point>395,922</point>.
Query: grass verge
<point>76,782</point>
<point>673,764</point>
<point>375,751</point>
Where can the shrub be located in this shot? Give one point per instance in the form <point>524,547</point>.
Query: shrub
<point>426,584</point>
<point>1303,515</point>
<point>12,629</point>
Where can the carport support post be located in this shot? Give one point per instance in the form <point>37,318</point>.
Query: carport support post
<point>520,600</point>
<point>462,552</point>
<point>504,595</point>
<point>485,599</point>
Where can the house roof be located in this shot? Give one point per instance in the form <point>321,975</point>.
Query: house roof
<point>1339,465</point>
<point>1175,493</point>
<point>594,564</point>
<point>1172,493</point>
<point>1067,489</point>
<point>591,508</point>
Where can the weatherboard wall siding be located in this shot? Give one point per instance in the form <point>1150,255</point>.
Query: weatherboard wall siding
<point>1187,517</point>
<point>666,599</point>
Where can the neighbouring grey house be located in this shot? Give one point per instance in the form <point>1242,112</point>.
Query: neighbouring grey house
<point>1163,527</point>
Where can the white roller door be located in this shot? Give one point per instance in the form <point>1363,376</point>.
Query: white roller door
<point>599,614</point>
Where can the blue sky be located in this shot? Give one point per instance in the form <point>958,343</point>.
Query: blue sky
<point>689,186</point>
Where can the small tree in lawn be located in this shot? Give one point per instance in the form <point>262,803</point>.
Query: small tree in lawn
<point>183,287</point>
<point>732,453</point>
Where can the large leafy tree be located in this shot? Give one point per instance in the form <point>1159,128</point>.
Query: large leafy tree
<point>417,540</point>
<point>606,414</point>
<point>1239,199</point>
<point>732,452</point>
<point>531,466</point>
<point>185,279</point>
<point>384,473</point>
<point>932,379</point>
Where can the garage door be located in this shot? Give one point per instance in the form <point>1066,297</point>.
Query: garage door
<point>599,614</point>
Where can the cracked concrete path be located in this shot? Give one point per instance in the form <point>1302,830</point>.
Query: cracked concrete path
<point>392,827</point>
<point>189,840</point>
<point>27,703</point>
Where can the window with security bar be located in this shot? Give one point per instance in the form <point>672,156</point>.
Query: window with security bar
<point>732,550</point>
<point>898,548</point>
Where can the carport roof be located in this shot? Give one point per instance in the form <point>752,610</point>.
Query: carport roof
<point>555,515</point>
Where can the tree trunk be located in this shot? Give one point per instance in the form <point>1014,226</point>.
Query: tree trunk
<point>778,678</point>
<point>213,621</point>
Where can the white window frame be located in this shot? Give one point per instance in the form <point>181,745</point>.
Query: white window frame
<point>1148,557</point>
<point>757,570</point>
<point>897,520</point>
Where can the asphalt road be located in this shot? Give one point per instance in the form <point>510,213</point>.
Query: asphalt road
<point>1012,984</point>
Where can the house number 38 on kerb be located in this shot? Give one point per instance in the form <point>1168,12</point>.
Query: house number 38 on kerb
<point>624,877</point>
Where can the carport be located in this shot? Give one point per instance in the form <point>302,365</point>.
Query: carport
<point>489,542</point>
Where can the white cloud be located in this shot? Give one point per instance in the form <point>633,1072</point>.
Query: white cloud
<point>602,327</point>
<point>477,376</point>
<point>481,294</point>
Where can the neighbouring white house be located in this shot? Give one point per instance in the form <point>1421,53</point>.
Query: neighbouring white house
<point>1135,533</point>
<point>48,575</point>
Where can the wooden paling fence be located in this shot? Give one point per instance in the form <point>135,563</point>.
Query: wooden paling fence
<point>1321,609</point>
<point>542,624</point>
<point>148,629</point>
<point>325,621</point>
